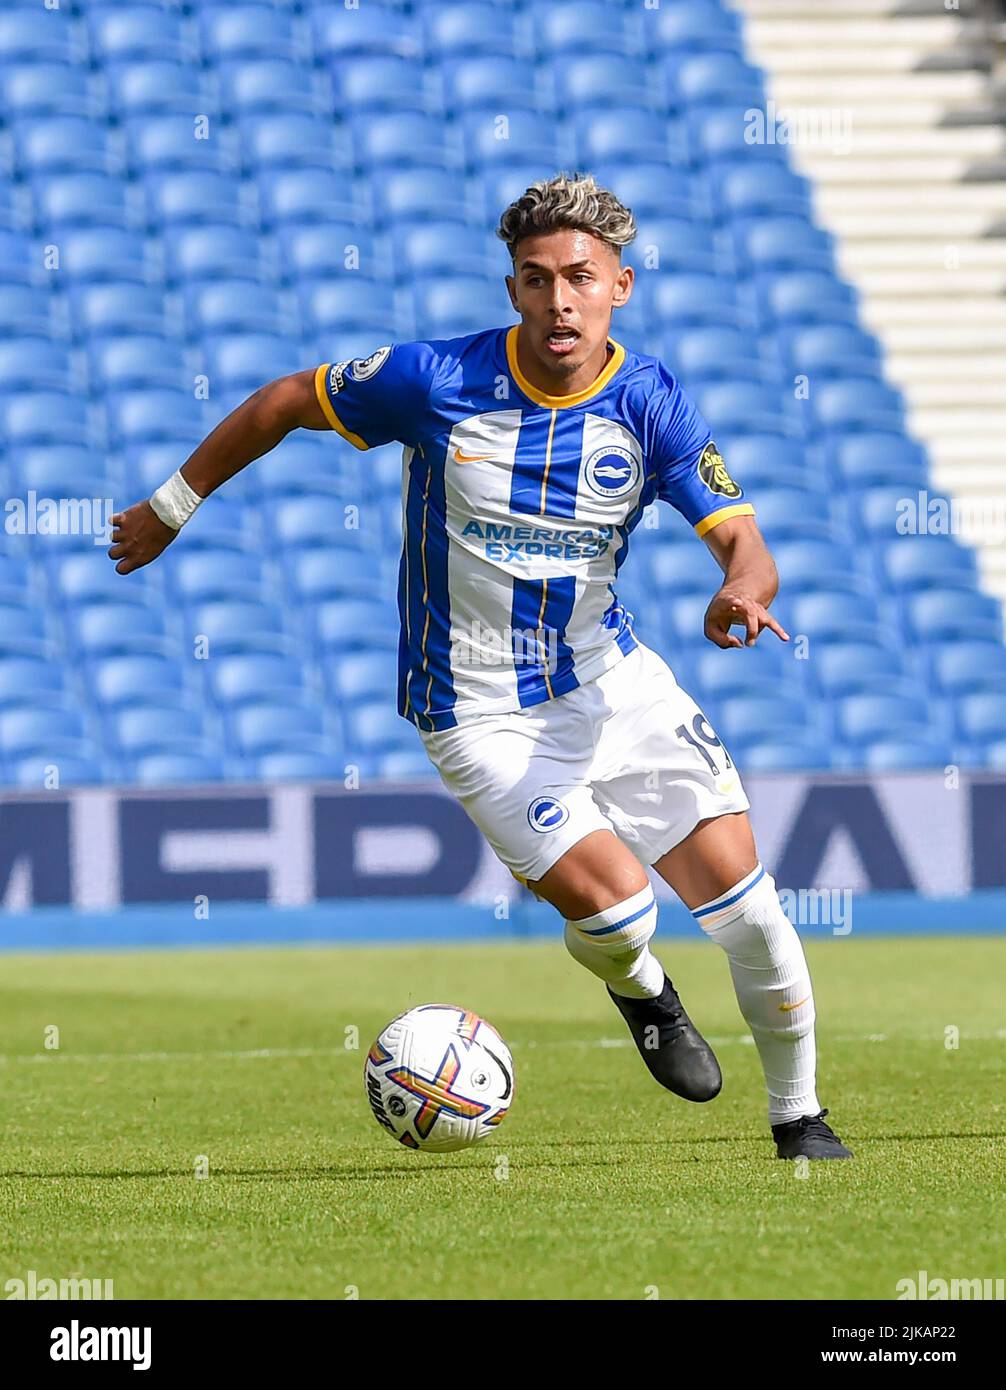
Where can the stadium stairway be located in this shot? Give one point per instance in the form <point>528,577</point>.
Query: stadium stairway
<point>917,200</point>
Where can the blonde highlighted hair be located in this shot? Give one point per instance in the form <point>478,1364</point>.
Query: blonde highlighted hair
<point>567,201</point>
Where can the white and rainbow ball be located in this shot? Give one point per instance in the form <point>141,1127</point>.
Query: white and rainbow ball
<point>439,1078</point>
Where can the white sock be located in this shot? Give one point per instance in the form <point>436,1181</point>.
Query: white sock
<point>772,983</point>
<point>613,945</point>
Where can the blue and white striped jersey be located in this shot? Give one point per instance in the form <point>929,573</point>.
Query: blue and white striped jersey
<point>517,508</point>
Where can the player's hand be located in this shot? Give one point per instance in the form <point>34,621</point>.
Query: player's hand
<point>730,608</point>
<point>138,536</point>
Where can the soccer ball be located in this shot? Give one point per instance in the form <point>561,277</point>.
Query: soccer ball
<point>439,1078</point>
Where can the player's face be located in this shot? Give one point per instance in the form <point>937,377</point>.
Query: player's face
<point>564,286</point>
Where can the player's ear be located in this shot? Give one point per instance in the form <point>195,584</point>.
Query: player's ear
<point>623,285</point>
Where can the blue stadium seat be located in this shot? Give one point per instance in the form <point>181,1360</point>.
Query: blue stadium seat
<point>159,413</point>
<point>244,361</point>
<point>456,30</point>
<point>721,137</point>
<point>30,90</point>
<point>857,668</point>
<point>63,470</point>
<point>311,470</point>
<point>982,717</point>
<point>870,718</point>
<point>695,300</point>
<point>44,417</point>
<point>487,141</point>
<point>380,83</point>
<point>118,681</point>
<point>22,632</point>
<point>448,248</point>
<point>25,310</point>
<point>35,38</point>
<point>245,31</point>
<point>138,360</point>
<point>363,675</point>
<point>761,670</point>
<point>488,83</point>
<point>14,588</point>
<point>307,521</point>
<point>158,87</point>
<point>95,254</point>
<point>672,244</point>
<point>340,37</point>
<point>927,562</point>
<point>193,196</point>
<point>36,773</point>
<point>654,190</point>
<point>271,728</point>
<point>290,140</point>
<point>682,569</point>
<point>852,404</point>
<point>834,350</point>
<point>597,82</point>
<point>734,405</point>
<point>447,308</point>
<point>787,243</point>
<point>42,731</point>
<point>63,145</point>
<point>302,196</point>
<point>860,460</point>
<point>323,574</point>
<point>30,682</point>
<point>405,764</point>
<point>300,767</point>
<point>145,730</point>
<point>768,459</point>
<point>582,26</point>
<point>377,729</point>
<point>232,628</point>
<point>101,310</point>
<point>788,514</point>
<point>255,678</point>
<point>744,720</point>
<point>771,756</point>
<point>963,668</point>
<point>32,364</point>
<point>264,85</point>
<point>715,77</point>
<point>166,144</point>
<point>89,578</point>
<point>327,249</point>
<point>233,306</point>
<point>830,617</point>
<point>941,615</point>
<point>400,140</point>
<point>102,629</point>
<point>808,296</point>
<point>127,34</point>
<point>426,192</point>
<point>629,132</point>
<point>80,200</point>
<point>913,754</point>
<point>167,769</point>
<point>763,190</point>
<point>351,303</point>
<point>699,26</point>
<point>216,252</point>
<point>220,574</point>
<point>345,625</point>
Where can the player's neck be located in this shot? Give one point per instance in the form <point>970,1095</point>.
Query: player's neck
<point>560,384</point>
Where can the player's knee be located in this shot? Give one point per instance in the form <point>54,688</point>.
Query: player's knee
<point>610,941</point>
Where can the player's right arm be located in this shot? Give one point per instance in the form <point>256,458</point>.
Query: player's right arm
<point>256,426</point>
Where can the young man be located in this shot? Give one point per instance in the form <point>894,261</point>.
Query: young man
<point>530,454</point>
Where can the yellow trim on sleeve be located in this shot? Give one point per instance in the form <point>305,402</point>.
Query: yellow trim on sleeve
<point>724,514</point>
<point>321,392</point>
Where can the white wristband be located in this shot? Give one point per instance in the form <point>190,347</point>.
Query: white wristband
<point>174,501</point>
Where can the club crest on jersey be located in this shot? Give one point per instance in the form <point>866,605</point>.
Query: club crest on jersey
<point>713,472</point>
<point>611,471</point>
<point>546,813</point>
<point>366,367</point>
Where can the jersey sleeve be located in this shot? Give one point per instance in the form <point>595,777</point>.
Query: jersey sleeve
<point>373,400</point>
<point>691,474</point>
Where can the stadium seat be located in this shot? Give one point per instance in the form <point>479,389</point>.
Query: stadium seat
<point>830,617</point>
<point>255,679</point>
<point>379,83</point>
<point>300,767</point>
<point>857,404</point>
<point>405,764</point>
<point>271,728</point>
<point>962,668</point>
<point>46,732</point>
<point>456,30</point>
<point>32,364</point>
<point>167,769</point>
<point>150,729</point>
<point>44,417</point>
<point>324,574</point>
<point>487,83</point>
<point>865,459</point>
<point>488,142</point>
<point>25,310</point>
<point>363,675</point>
<point>31,681</point>
<point>376,729</point>
<point>771,756</point>
<point>870,718</point>
<point>629,132</point>
<point>118,681</point>
<point>750,719</point>
<point>834,350</point>
<point>982,717</point>
<point>927,562</point>
<point>103,629</point>
<point>652,190</point>
<point>785,243</point>
<point>244,32</point>
<point>102,310</point>
<point>769,190</point>
<point>298,196</point>
<point>905,755</point>
<point>121,34</point>
<point>346,625</point>
<point>941,615</point>
<point>43,772</point>
<point>761,670</point>
<point>708,79</point>
<point>857,668</point>
<point>63,145</point>
<point>157,87</point>
<point>222,574</point>
<point>31,89</point>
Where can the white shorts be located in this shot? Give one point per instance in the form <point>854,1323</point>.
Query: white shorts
<point>629,752</point>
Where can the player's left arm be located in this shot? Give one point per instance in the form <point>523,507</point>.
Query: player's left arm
<point>750,583</point>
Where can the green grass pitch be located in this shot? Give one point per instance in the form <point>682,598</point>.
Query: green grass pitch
<point>598,1185</point>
